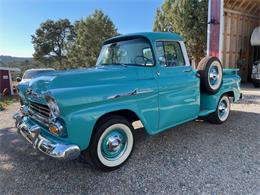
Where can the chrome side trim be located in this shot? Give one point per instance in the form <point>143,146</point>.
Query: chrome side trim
<point>131,93</point>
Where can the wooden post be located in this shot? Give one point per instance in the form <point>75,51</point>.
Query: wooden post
<point>213,27</point>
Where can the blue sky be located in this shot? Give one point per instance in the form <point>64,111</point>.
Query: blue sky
<point>20,18</point>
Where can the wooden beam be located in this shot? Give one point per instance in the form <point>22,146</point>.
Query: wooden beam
<point>237,37</point>
<point>241,13</point>
<point>249,6</point>
<point>227,3</point>
<point>257,10</point>
<point>231,40</point>
<point>225,39</point>
<point>254,9</point>
<point>235,3</point>
<point>242,4</point>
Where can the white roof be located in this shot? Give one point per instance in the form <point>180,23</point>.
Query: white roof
<point>255,37</point>
<point>10,69</point>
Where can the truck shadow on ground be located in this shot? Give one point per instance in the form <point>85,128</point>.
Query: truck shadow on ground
<point>178,155</point>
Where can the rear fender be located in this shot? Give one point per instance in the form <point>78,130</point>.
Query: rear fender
<point>231,86</point>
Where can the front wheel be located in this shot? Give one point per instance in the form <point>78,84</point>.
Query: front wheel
<point>222,112</point>
<point>112,143</point>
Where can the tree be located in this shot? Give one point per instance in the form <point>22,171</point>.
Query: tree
<point>51,41</point>
<point>187,18</point>
<point>90,34</point>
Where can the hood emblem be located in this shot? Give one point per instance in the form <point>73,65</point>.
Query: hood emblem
<point>30,92</point>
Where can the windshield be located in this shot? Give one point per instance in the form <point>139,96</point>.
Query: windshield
<point>127,52</point>
<point>30,74</point>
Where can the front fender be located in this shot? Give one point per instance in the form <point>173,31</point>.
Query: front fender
<point>80,124</point>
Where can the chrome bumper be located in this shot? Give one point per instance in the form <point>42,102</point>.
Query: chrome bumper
<point>54,149</point>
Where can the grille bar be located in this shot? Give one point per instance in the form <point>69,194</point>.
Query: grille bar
<point>40,110</point>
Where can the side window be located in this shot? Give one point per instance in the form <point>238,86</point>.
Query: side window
<point>170,53</point>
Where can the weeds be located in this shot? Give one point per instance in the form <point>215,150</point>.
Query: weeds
<point>7,100</point>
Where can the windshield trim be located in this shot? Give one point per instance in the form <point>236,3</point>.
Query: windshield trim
<point>131,37</point>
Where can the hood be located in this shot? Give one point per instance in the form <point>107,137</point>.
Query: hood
<point>82,78</point>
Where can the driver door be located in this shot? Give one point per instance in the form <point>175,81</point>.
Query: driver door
<point>178,86</point>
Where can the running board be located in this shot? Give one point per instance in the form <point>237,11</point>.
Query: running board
<point>205,112</point>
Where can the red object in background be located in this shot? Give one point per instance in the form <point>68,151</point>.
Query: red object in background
<point>214,28</point>
<point>5,82</point>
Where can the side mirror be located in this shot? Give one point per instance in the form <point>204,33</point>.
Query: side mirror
<point>18,79</point>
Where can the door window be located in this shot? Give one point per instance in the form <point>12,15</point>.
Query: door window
<point>169,53</point>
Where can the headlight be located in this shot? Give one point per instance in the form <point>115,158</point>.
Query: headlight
<point>254,70</point>
<point>53,106</point>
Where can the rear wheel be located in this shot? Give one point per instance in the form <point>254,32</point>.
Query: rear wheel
<point>112,143</point>
<point>222,112</point>
<point>211,73</point>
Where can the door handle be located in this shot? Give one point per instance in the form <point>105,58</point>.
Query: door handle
<point>187,70</point>
<point>158,73</point>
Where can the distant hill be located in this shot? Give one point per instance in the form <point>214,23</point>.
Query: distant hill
<point>8,59</point>
<point>23,63</point>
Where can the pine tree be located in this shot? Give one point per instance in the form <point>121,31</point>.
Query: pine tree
<point>90,34</point>
<point>187,18</point>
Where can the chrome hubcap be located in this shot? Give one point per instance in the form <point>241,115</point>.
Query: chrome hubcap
<point>223,108</point>
<point>214,76</point>
<point>114,145</point>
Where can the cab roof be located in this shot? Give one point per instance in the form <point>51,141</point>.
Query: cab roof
<point>152,36</point>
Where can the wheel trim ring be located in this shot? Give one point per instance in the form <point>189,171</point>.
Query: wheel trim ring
<point>223,108</point>
<point>125,155</point>
<point>216,72</point>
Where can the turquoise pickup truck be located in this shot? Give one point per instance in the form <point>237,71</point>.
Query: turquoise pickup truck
<point>145,77</point>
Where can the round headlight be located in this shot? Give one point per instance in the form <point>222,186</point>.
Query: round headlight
<point>53,106</point>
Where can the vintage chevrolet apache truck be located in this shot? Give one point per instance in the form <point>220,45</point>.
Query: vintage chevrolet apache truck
<point>143,77</point>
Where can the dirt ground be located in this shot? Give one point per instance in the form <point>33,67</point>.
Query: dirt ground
<point>193,158</point>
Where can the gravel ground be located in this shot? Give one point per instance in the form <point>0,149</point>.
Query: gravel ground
<point>194,158</point>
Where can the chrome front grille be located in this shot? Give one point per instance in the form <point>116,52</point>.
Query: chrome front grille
<point>39,111</point>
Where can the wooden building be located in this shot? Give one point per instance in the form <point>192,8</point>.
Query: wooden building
<point>6,85</point>
<point>230,26</point>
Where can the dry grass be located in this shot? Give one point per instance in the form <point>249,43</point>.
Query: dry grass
<point>7,100</point>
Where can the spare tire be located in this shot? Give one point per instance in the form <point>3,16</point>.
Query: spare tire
<point>211,74</point>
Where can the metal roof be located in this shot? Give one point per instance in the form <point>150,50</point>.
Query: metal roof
<point>10,69</point>
<point>149,35</point>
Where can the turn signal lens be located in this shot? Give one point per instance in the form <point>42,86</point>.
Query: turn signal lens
<point>53,129</point>
<point>56,128</point>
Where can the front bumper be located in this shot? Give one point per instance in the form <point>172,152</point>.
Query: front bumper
<point>32,133</point>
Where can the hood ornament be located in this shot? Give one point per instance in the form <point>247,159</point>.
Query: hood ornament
<point>30,92</point>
